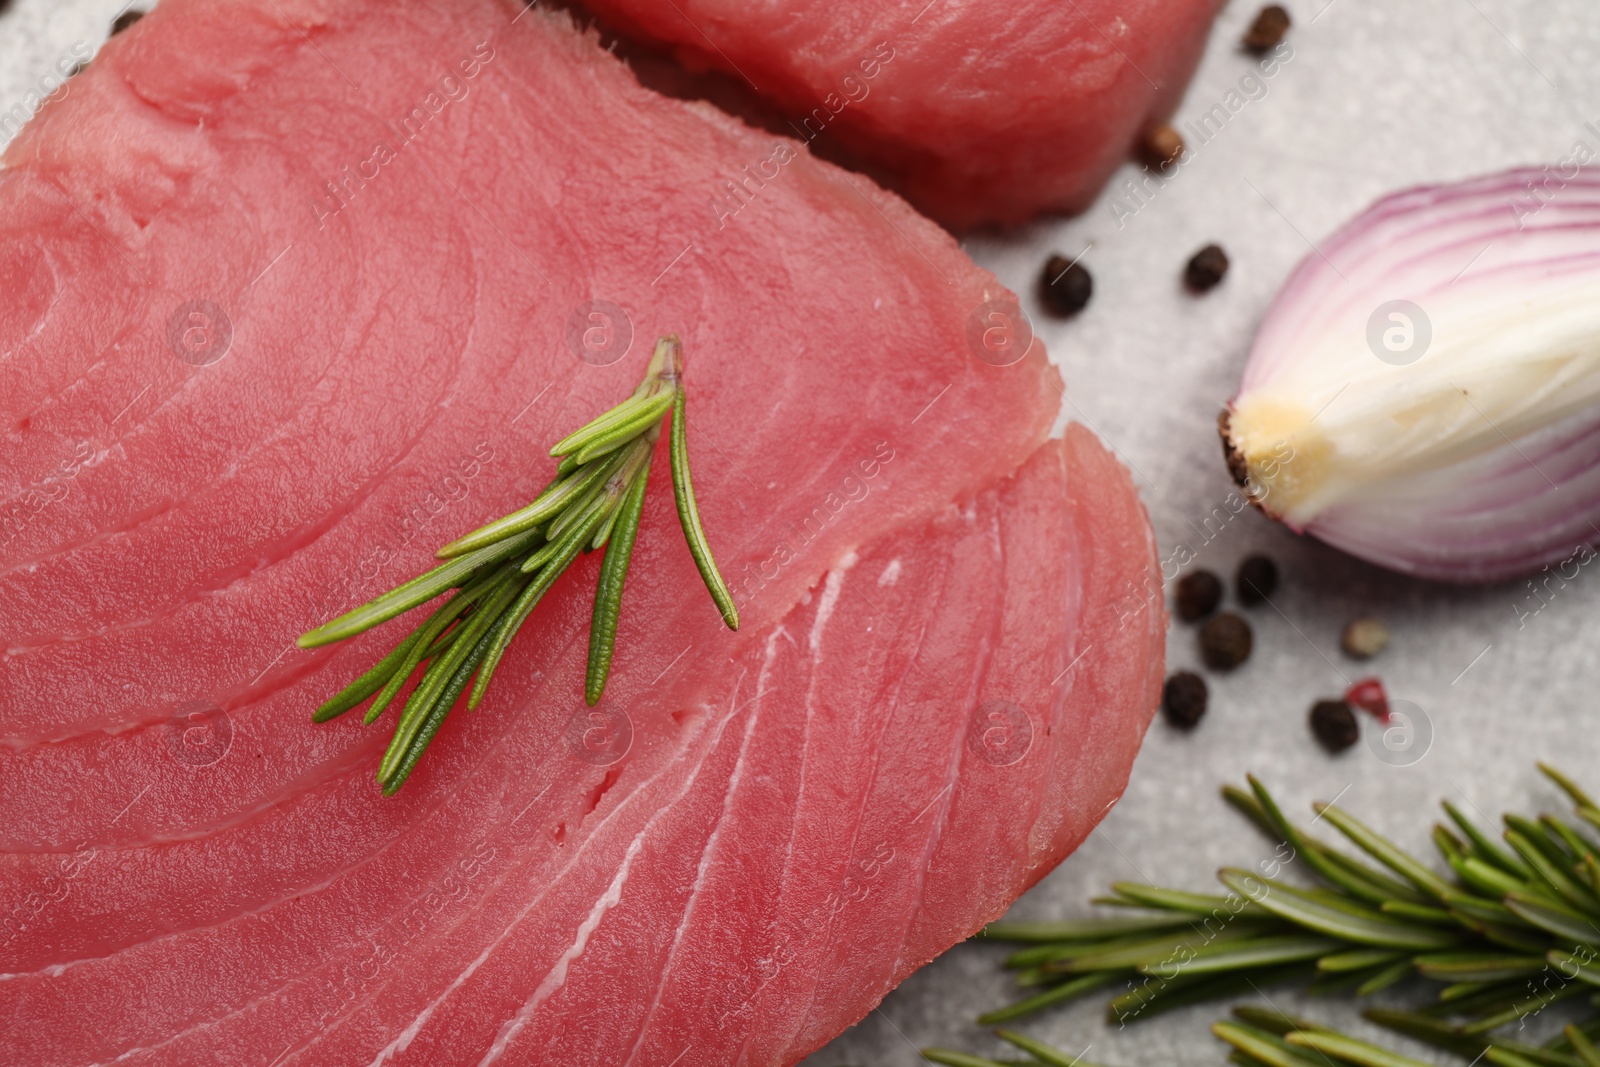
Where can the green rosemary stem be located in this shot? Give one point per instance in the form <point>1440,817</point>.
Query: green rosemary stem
<point>497,574</point>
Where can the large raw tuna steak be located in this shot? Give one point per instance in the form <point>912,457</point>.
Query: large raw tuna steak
<point>297,292</point>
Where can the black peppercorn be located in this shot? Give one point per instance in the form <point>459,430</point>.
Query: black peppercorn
<point>1183,699</point>
<point>1065,286</point>
<point>1198,595</point>
<point>1334,725</point>
<point>1264,34</point>
<point>1205,268</point>
<point>1225,641</point>
<point>1256,580</point>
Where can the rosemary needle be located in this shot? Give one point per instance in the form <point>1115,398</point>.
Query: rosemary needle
<point>608,595</point>
<point>689,515</point>
<point>497,574</point>
<point>1039,1050</point>
<point>1582,1046</point>
<point>956,1059</point>
<point>419,590</point>
<point>1061,993</point>
<point>550,503</point>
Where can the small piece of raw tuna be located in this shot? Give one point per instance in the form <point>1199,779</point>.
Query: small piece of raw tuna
<point>240,401</point>
<point>977,112</point>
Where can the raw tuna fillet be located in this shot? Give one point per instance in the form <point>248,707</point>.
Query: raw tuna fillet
<point>986,112</point>
<point>300,290</point>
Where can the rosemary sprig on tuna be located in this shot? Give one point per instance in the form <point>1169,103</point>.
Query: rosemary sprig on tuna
<point>499,572</point>
<point>1510,929</point>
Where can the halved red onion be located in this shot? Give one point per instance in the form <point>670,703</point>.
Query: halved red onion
<point>1425,391</point>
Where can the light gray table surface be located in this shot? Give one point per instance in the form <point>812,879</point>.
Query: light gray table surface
<point>1379,95</point>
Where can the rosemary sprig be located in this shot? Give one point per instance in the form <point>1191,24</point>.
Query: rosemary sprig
<point>1262,1037</point>
<point>1512,929</point>
<point>500,571</point>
